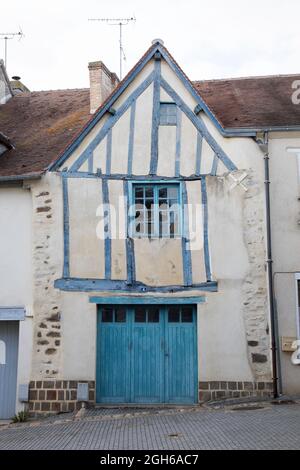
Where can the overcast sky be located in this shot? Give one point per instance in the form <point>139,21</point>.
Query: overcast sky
<point>209,38</point>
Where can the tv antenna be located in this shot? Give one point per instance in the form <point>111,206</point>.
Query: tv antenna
<point>6,37</point>
<point>117,22</point>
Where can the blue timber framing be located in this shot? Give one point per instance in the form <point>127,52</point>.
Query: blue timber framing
<point>158,81</point>
<point>131,138</point>
<point>178,143</point>
<point>131,285</point>
<point>155,117</point>
<point>146,300</point>
<point>111,121</point>
<point>205,229</point>
<point>134,178</point>
<point>185,242</point>
<point>90,285</point>
<point>198,154</point>
<point>66,266</point>
<point>129,240</point>
<point>108,151</point>
<point>214,167</point>
<point>200,126</point>
<point>230,132</point>
<point>245,132</point>
<point>107,233</point>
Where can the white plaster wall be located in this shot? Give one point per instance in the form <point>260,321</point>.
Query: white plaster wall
<point>118,229</point>
<point>120,139</point>
<point>16,271</point>
<point>222,339</point>
<point>15,247</point>
<point>86,249</point>
<point>79,326</point>
<point>285,214</point>
<point>222,345</point>
<point>142,133</point>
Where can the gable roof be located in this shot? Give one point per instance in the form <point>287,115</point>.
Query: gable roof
<point>45,127</point>
<point>252,102</point>
<point>38,125</point>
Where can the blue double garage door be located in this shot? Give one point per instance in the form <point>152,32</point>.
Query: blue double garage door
<point>146,354</point>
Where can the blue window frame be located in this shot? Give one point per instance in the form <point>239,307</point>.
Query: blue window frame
<point>156,210</point>
<point>168,114</point>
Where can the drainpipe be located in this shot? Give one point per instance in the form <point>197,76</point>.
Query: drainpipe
<point>263,144</point>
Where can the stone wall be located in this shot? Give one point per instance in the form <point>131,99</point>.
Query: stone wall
<point>254,290</point>
<point>215,390</point>
<point>47,266</point>
<point>57,396</point>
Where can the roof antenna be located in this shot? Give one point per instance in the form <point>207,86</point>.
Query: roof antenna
<point>7,37</point>
<point>117,22</point>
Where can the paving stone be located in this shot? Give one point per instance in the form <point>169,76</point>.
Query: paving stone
<point>269,427</point>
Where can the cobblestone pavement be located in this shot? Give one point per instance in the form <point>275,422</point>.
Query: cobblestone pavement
<point>266,426</point>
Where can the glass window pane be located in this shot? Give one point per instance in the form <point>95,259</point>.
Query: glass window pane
<point>149,219</point>
<point>174,314</point>
<point>149,192</point>
<point>107,314</point>
<point>139,192</point>
<point>139,203</point>
<point>153,314</point>
<point>163,193</point>
<point>172,193</point>
<point>187,314</point>
<point>120,315</point>
<point>140,315</point>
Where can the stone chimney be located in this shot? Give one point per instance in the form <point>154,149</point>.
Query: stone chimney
<point>102,83</point>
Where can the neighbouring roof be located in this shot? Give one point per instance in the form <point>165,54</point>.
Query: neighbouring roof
<point>252,102</point>
<point>39,125</point>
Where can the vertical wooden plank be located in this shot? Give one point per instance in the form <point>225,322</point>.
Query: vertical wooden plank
<point>147,360</point>
<point>214,165</point>
<point>131,138</point>
<point>186,252</point>
<point>155,118</point>
<point>178,142</point>
<point>181,363</point>
<point>108,152</point>
<point>112,361</point>
<point>129,240</point>
<point>198,154</point>
<point>205,228</point>
<point>107,232</point>
<point>9,335</point>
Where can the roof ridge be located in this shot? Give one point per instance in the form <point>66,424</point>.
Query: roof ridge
<point>250,77</point>
<point>59,89</point>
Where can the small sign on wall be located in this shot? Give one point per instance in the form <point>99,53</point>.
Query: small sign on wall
<point>287,343</point>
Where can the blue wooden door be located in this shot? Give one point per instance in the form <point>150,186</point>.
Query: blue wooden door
<point>180,354</point>
<point>9,338</point>
<point>113,355</point>
<point>146,354</point>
